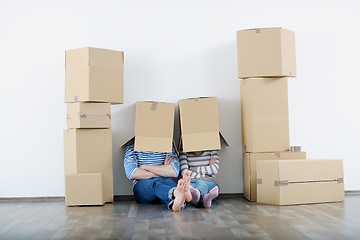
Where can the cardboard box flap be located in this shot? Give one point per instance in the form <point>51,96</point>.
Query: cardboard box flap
<point>223,140</point>
<point>212,142</point>
<point>297,171</point>
<point>200,141</point>
<point>153,144</point>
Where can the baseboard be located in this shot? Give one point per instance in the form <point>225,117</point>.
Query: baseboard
<point>122,198</point>
<point>32,199</point>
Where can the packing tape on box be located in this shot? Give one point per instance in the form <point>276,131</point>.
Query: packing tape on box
<point>154,106</point>
<point>85,115</point>
<point>340,180</point>
<point>295,148</point>
<point>281,183</point>
<point>258,181</point>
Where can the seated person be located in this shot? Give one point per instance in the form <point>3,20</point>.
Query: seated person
<point>202,167</point>
<point>154,177</point>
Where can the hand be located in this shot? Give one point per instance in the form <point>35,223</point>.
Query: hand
<point>168,160</point>
<point>212,160</point>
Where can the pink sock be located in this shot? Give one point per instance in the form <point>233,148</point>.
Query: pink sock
<point>195,193</point>
<point>210,196</point>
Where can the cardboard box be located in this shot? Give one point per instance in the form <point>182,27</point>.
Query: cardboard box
<point>94,75</point>
<point>88,115</point>
<point>288,182</point>
<point>90,151</point>
<point>199,124</point>
<point>249,168</point>
<point>154,126</point>
<point>266,52</point>
<point>84,189</point>
<point>265,114</point>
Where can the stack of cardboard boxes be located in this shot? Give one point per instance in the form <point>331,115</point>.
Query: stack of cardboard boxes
<point>93,81</point>
<point>274,172</point>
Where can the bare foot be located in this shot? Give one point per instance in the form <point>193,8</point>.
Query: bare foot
<point>187,179</point>
<point>179,194</point>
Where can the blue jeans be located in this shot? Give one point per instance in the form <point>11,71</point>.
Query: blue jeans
<point>155,190</point>
<point>204,186</point>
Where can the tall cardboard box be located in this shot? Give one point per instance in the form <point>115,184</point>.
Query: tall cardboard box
<point>266,52</point>
<point>84,189</point>
<point>88,115</point>
<point>94,75</point>
<point>249,168</point>
<point>154,126</point>
<point>199,123</point>
<point>288,182</point>
<point>265,114</point>
<point>90,151</point>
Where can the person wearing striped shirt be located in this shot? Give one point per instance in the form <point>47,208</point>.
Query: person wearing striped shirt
<point>154,174</point>
<point>202,166</point>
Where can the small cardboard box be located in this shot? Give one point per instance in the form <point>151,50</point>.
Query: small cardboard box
<point>90,151</point>
<point>154,126</point>
<point>249,168</point>
<point>266,52</point>
<point>84,189</point>
<point>94,75</point>
<point>288,182</point>
<point>265,114</point>
<point>88,115</point>
<point>199,123</point>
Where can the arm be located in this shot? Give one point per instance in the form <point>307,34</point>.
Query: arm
<point>165,170</point>
<point>131,166</point>
<point>185,166</point>
<point>213,167</point>
<point>170,167</point>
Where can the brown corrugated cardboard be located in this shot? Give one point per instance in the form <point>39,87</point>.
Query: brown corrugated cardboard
<point>88,115</point>
<point>288,182</point>
<point>84,189</point>
<point>199,121</point>
<point>94,75</point>
<point>265,115</point>
<point>89,151</point>
<point>249,168</point>
<point>266,52</point>
<point>154,126</point>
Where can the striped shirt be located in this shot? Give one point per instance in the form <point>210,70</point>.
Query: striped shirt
<point>133,159</point>
<point>199,166</point>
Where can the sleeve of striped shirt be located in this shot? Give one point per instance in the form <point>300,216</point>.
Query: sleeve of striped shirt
<point>212,169</point>
<point>130,160</point>
<point>184,165</point>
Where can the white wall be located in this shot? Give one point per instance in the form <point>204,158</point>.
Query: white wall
<point>173,50</point>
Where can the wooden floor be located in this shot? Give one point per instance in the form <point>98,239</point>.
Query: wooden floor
<point>229,218</point>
